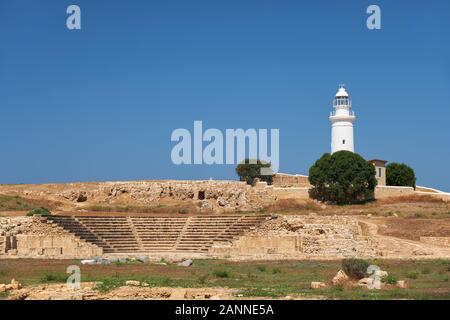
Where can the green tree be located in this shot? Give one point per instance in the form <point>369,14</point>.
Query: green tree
<point>400,174</point>
<point>343,177</point>
<point>250,171</point>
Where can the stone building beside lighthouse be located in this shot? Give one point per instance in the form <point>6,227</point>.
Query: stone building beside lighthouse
<point>342,119</point>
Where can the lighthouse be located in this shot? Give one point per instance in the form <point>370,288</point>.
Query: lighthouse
<point>342,119</point>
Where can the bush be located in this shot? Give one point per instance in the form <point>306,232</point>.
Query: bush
<point>390,279</point>
<point>203,278</point>
<point>221,273</point>
<point>355,268</point>
<point>412,275</point>
<point>109,284</point>
<point>54,277</point>
<point>338,287</point>
<point>400,174</point>
<point>343,177</point>
<point>276,270</point>
<point>261,268</point>
<point>426,271</point>
<point>249,172</point>
<point>38,212</point>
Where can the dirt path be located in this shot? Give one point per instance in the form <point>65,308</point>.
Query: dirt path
<point>393,247</point>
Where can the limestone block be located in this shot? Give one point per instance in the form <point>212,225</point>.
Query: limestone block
<point>340,278</point>
<point>317,285</point>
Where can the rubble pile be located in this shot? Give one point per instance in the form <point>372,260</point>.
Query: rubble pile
<point>13,226</point>
<point>208,195</point>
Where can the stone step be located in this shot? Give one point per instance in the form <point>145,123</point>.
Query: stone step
<point>134,234</point>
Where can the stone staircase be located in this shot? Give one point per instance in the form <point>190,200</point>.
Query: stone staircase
<point>157,233</point>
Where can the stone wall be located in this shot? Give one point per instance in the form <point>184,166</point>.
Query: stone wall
<point>2,245</point>
<point>283,180</point>
<point>383,192</point>
<point>291,193</point>
<point>300,237</point>
<point>56,247</point>
<point>259,246</point>
<point>29,237</point>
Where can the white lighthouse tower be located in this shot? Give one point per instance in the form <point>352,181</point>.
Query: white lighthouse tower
<point>342,119</point>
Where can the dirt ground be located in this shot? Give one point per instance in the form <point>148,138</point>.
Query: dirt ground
<point>417,206</point>
<point>413,229</point>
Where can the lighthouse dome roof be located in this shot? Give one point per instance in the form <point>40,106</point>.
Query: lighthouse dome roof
<point>342,92</point>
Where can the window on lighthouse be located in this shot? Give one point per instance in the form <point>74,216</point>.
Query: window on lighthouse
<point>343,141</point>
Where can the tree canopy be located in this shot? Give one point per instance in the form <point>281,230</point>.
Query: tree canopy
<point>249,172</point>
<point>343,177</point>
<point>400,174</point>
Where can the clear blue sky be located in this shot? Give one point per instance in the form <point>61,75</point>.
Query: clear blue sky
<point>101,103</point>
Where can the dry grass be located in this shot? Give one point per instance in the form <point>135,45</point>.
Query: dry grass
<point>293,206</point>
<point>411,199</point>
<point>18,203</point>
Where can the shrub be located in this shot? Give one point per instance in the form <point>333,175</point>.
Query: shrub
<point>276,270</point>
<point>338,287</point>
<point>426,271</point>
<point>109,284</point>
<point>390,279</point>
<point>203,278</point>
<point>54,277</point>
<point>249,172</point>
<point>355,268</point>
<point>400,174</point>
<point>343,177</point>
<point>412,275</point>
<point>221,273</point>
<point>261,268</point>
<point>38,212</point>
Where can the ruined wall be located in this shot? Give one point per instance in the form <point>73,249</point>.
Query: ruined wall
<point>206,195</point>
<point>300,237</point>
<point>259,246</point>
<point>283,180</point>
<point>291,193</point>
<point>383,192</point>
<point>56,247</point>
<point>2,245</point>
<point>29,237</point>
